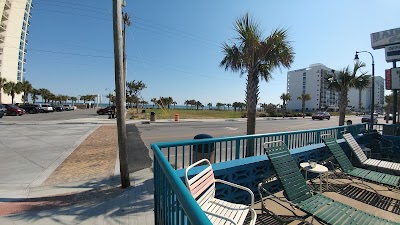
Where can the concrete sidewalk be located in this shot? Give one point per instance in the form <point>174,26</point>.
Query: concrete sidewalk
<point>95,202</point>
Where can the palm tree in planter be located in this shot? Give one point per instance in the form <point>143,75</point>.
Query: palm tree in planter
<point>12,88</point>
<point>3,81</point>
<point>341,81</point>
<point>303,98</point>
<point>258,57</point>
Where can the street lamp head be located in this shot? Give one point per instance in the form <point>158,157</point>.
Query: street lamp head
<point>356,59</point>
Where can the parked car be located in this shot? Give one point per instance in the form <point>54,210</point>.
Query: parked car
<point>13,110</point>
<point>2,110</point>
<point>104,111</point>
<point>68,107</point>
<point>31,109</point>
<point>46,108</point>
<point>367,119</point>
<point>321,116</point>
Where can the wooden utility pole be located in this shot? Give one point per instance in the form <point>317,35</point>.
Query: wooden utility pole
<point>120,95</point>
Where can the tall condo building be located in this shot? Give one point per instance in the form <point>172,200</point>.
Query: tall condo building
<point>14,25</point>
<point>310,81</point>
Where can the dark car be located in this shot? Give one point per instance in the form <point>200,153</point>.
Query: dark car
<point>321,116</point>
<point>2,110</point>
<point>31,109</point>
<point>12,110</point>
<point>367,119</point>
<point>390,117</point>
<point>58,108</point>
<point>104,111</point>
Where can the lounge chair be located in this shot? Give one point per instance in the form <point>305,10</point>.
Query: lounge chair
<point>299,195</point>
<point>391,181</point>
<point>202,188</point>
<point>360,155</point>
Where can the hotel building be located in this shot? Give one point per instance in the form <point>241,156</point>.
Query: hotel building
<point>14,25</point>
<point>310,81</point>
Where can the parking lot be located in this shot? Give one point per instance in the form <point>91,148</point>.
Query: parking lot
<point>64,115</point>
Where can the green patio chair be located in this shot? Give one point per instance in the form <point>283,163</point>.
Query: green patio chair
<point>390,181</point>
<point>298,194</point>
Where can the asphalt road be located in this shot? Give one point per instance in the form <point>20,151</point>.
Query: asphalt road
<point>65,115</point>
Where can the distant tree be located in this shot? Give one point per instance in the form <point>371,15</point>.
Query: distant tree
<point>362,83</point>
<point>34,95</point>
<point>187,102</point>
<point>303,98</point>
<point>236,105</point>
<point>198,104</point>
<point>154,101</point>
<point>134,88</point>
<point>174,103</point>
<point>26,88</point>
<point>219,105</point>
<point>285,97</point>
<point>45,94</point>
<point>11,88</point>
<point>228,105</point>
<point>209,105</point>
<point>3,81</point>
<point>110,98</point>
<point>73,99</point>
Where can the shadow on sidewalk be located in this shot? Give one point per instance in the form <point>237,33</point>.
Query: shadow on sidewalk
<point>104,201</point>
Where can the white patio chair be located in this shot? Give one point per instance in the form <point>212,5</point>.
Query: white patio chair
<point>202,188</point>
<point>355,147</point>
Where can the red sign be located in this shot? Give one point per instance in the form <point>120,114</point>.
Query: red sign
<point>388,80</point>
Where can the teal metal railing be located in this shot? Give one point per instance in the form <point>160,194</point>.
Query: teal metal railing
<point>173,203</point>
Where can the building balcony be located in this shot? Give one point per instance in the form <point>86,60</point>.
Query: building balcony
<point>3,27</point>
<point>175,204</point>
<point>8,4</point>
<point>5,15</point>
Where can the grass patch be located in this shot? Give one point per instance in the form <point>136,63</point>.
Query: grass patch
<point>185,114</point>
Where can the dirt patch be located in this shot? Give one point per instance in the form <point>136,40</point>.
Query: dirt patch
<point>94,158</point>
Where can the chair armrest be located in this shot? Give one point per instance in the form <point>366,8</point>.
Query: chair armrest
<point>239,187</point>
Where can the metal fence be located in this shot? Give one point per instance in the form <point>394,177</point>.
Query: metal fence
<point>173,204</point>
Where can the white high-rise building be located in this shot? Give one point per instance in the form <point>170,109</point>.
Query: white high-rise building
<point>14,24</point>
<point>310,81</point>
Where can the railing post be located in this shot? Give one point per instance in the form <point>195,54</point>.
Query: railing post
<point>237,150</point>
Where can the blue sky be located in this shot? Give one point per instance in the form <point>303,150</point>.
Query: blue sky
<point>174,46</point>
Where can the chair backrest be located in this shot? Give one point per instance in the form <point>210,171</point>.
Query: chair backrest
<point>355,147</point>
<point>338,153</point>
<point>294,185</point>
<point>201,185</point>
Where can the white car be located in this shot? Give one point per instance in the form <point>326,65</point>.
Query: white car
<point>68,107</point>
<point>46,108</point>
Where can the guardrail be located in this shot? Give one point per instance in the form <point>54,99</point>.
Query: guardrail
<point>173,203</point>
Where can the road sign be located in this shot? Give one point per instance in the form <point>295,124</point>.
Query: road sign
<point>392,53</point>
<point>395,78</point>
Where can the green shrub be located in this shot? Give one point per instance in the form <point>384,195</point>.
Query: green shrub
<point>308,114</point>
<point>262,115</point>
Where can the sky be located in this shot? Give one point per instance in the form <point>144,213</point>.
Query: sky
<point>174,46</point>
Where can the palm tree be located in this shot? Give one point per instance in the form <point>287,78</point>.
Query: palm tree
<point>258,57</point>
<point>154,101</point>
<point>285,98</point>
<point>34,94</point>
<point>361,85</point>
<point>341,82</point>
<point>2,82</point>
<point>73,100</point>
<point>12,88</point>
<point>26,89</point>
<point>174,103</point>
<point>45,94</point>
<point>209,105</point>
<point>304,97</point>
<point>134,89</point>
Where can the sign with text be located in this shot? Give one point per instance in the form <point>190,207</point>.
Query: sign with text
<point>384,38</point>
<point>392,53</point>
<point>395,78</point>
<point>388,80</point>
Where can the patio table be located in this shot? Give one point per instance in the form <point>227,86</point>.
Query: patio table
<point>318,169</point>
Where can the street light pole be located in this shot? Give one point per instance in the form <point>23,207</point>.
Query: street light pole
<point>372,85</point>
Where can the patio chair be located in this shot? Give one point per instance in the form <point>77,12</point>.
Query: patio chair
<point>360,155</point>
<point>391,181</point>
<point>202,188</point>
<point>298,194</point>
<point>378,144</point>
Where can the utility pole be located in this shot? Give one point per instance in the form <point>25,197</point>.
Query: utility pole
<point>395,118</point>
<point>120,95</point>
<point>126,22</point>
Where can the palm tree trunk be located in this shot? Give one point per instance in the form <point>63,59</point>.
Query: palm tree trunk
<point>359,99</point>
<point>342,106</point>
<point>251,101</point>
